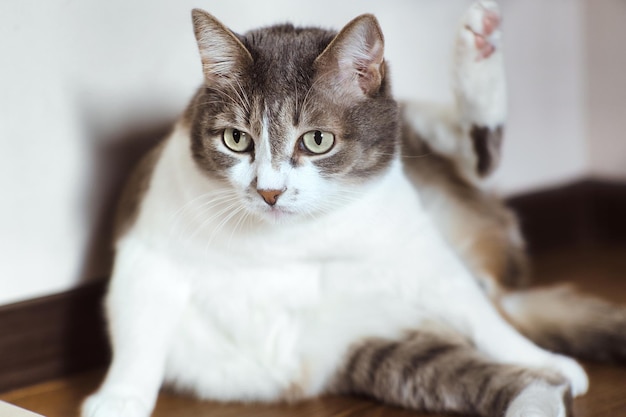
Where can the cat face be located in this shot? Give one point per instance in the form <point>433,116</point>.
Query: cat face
<point>294,121</point>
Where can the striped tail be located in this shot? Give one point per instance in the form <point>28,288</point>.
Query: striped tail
<point>564,320</point>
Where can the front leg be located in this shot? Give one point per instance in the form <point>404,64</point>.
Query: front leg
<point>145,301</point>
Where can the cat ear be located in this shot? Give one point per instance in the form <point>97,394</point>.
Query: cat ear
<point>355,56</point>
<point>223,55</point>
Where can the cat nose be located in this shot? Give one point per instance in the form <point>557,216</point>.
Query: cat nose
<point>270,196</point>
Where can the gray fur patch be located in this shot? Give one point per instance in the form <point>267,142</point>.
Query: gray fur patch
<point>283,85</point>
<point>487,143</point>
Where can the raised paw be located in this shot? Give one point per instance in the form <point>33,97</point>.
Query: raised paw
<point>481,27</point>
<point>113,405</point>
<point>480,83</point>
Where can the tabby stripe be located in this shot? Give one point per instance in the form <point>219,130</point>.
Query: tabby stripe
<point>482,389</point>
<point>379,357</point>
<point>503,397</point>
<point>421,359</point>
<point>427,372</point>
<point>351,368</point>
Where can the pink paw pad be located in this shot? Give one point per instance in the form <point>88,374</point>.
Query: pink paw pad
<point>485,48</point>
<point>484,23</point>
<point>491,22</point>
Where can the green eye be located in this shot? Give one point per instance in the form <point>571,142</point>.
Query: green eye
<point>236,140</point>
<point>318,142</point>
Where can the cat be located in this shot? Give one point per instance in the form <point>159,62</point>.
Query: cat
<point>301,233</point>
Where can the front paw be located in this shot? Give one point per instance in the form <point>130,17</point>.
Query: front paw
<point>572,371</point>
<point>114,405</point>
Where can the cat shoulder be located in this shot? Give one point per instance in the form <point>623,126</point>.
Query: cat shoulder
<point>135,190</point>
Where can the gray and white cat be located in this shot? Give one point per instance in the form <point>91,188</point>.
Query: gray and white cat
<point>299,234</point>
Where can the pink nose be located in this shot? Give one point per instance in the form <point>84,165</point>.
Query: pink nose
<point>270,196</point>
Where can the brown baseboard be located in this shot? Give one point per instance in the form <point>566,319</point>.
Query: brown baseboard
<point>54,336</point>
<point>582,213</point>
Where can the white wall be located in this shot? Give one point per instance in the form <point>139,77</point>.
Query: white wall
<point>77,78</point>
<point>606,67</point>
<point>545,141</point>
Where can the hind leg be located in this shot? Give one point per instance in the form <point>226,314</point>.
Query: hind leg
<point>431,372</point>
<point>480,84</point>
<point>461,143</point>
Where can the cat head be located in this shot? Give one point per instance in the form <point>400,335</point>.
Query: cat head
<point>294,120</point>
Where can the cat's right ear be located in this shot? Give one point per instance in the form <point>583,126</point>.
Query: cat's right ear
<point>354,59</point>
<point>223,56</point>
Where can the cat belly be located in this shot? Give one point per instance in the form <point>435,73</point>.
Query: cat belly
<point>279,311</point>
<point>287,339</point>
<point>215,358</point>
<point>237,339</point>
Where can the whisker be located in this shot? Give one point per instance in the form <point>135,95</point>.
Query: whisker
<point>308,93</point>
<point>424,155</point>
<point>207,102</point>
<point>211,219</point>
<point>212,208</point>
<point>239,223</point>
<point>221,225</point>
<point>242,94</point>
<point>189,203</point>
<point>199,210</point>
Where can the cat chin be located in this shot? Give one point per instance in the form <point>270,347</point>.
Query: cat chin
<point>278,215</point>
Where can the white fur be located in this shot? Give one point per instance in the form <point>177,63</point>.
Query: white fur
<point>480,84</point>
<point>222,295</point>
<point>538,400</point>
<point>263,307</point>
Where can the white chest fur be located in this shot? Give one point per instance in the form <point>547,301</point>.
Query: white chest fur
<point>267,302</point>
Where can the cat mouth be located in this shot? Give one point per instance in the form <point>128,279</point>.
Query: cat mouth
<point>277,214</point>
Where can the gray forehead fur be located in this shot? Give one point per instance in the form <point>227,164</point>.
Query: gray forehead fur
<point>283,60</point>
<point>280,85</point>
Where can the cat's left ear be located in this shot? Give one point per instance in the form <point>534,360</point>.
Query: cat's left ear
<point>355,57</point>
<point>224,57</point>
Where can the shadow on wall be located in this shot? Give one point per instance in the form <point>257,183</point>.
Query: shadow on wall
<point>113,159</point>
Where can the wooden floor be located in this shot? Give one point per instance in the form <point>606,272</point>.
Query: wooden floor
<point>599,270</point>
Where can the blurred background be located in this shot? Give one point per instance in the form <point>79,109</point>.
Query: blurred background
<point>84,85</point>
